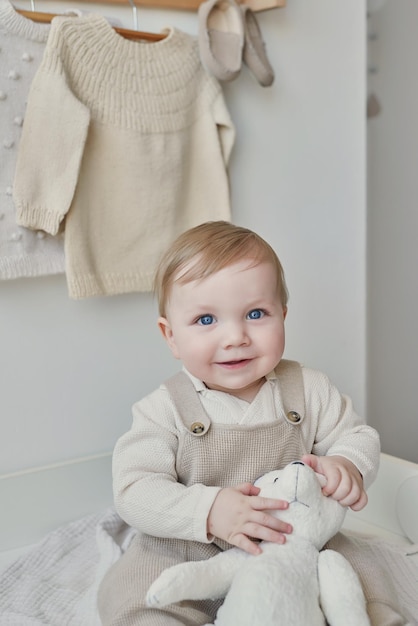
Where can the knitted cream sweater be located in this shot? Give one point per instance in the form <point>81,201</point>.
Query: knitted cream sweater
<point>125,144</point>
<point>22,43</point>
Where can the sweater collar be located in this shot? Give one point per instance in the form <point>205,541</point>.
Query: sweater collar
<point>21,26</point>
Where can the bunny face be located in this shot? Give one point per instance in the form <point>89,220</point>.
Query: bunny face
<point>314,517</point>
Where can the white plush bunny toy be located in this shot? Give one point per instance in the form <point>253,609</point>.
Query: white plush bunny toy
<point>293,584</point>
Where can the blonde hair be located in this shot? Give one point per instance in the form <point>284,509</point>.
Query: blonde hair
<point>208,248</point>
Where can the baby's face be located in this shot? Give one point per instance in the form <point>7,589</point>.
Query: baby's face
<point>228,329</point>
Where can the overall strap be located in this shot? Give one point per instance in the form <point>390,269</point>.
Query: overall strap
<point>197,421</point>
<point>289,374</point>
<point>187,403</point>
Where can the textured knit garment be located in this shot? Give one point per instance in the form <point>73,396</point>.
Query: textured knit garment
<point>161,455</point>
<point>145,460</point>
<point>127,142</point>
<point>22,43</point>
<point>220,455</point>
<point>388,574</point>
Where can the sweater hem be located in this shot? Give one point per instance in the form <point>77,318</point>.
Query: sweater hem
<point>111,284</point>
<point>31,266</point>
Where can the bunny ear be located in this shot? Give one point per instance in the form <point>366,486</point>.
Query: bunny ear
<point>322,479</point>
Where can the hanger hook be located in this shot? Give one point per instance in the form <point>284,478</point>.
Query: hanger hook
<point>134,13</point>
<point>32,5</point>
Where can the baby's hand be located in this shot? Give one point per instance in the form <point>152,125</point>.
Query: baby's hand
<point>238,515</point>
<point>344,481</point>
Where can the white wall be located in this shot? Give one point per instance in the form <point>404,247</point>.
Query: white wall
<point>70,370</point>
<point>393,228</point>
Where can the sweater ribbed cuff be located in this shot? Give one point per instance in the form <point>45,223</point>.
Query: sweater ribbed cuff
<point>38,219</point>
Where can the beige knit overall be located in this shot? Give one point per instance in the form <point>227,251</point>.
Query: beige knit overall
<point>212,454</point>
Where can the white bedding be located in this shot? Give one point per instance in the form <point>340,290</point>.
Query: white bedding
<point>54,582</point>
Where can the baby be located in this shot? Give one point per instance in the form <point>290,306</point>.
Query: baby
<point>183,473</point>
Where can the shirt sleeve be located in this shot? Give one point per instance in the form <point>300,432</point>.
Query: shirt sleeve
<point>336,429</point>
<point>50,150</point>
<point>147,493</point>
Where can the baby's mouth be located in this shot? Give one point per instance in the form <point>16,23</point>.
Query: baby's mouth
<point>234,363</point>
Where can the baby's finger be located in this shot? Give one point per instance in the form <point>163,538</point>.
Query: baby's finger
<point>349,493</point>
<point>361,502</point>
<point>266,533</point>
<point>248,489</point>
<point>312,461</point>
<point>245,543</point>
<point>264,522</point>
<point>268,504</point>
<point>334,478</point>
<point>345,488</point>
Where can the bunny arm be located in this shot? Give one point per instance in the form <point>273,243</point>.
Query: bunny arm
<point>196,580</point>
<point>341,595</point>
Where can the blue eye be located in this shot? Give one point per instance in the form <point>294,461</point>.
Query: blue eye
<point>255,314</point>
<point>206,320</point>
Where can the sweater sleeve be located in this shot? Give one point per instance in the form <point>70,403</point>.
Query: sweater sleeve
<point>336,429</point>
<point>50,150</point>
<point>147,493</point>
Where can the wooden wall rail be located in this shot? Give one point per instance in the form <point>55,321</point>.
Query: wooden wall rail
<point>191,5</point>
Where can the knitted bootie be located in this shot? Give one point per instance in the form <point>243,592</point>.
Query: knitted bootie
<point>221,38</point>
<point>254,54</point>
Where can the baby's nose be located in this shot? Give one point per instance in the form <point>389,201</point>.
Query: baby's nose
<point>235,336</point>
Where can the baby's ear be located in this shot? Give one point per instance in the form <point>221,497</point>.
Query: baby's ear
<point>167,333</point>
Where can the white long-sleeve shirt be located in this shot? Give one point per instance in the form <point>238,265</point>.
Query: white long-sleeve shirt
<point>146,488</point>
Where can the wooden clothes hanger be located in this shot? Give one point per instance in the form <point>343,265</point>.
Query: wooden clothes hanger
<point>46,18</point>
